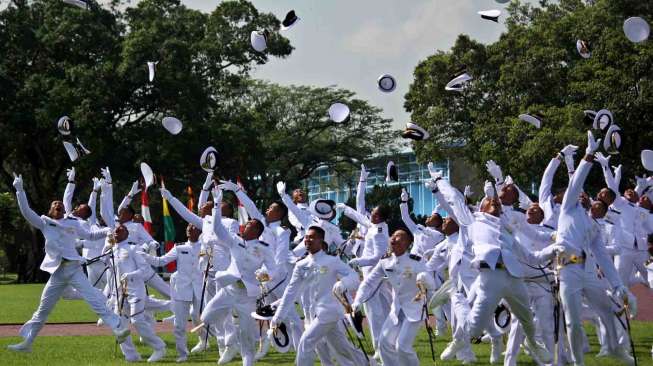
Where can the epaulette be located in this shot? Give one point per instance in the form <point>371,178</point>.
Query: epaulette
<point>263,243</point>
<point>519,209</point>
<point>386,255</point>
<point>71,218</point>
<point>615,211</point>
<point>131,243</point>
<point>415,257</point>
<point>548,226</point>
<point>609,222</point>
<point>380,229</point>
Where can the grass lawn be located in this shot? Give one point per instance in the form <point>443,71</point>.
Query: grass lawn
<point>18,302</point>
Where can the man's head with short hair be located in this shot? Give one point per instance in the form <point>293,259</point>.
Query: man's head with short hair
<point>56,210</point>
<point>606,195</point>
<point>314,239</point>
<point>379,214</point>
<point>253,229</point>
<point>534,214</point>
<point>400,241</point>
<point>276,212</point>
<point>598,210</point>
<point>509,195</point>
<point>298,196</point>
<point>126,214</point>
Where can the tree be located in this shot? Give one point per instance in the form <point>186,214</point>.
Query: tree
<point>91,65</point>
<point>534,68</point>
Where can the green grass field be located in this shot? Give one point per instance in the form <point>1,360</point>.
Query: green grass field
<point>19,301</point>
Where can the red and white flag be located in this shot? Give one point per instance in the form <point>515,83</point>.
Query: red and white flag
<point>145,211</point>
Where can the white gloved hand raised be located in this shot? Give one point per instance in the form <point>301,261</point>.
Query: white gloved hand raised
<point>494,170</point>
<point>435,174</point>
<point>488,189</point>
<point>134,189</point>
<point>208,181</point>
<point>364,174</point>
<point>404,195</point>
<point>226,185</point>
<point>592,144</point>
<point>70,173</point>
<point>18,182</point>
<point>602,159</point>
<point>217,196</point>
<point>96,184</point>
<point>106,174</point>
<point>281,188</point>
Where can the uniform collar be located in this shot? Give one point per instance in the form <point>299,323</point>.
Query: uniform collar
<point>317,255</point>
<point>274,224</point>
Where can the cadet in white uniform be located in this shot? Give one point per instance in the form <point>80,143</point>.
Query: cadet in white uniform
<point>185,285</point>
<point>318,274</point>
<point>580,236</point>
<point>403,271</point>
<point>64,265</point>
<point>239,285</point>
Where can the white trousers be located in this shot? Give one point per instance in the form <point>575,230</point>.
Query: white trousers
<point>334,334</point>
<point>377,309</point>
<point>232,299</point>
<point>68,274</point>
<point>156,282</point>
<point>574,284</point>
<point>96,274</point>
<point>396,342</point>
<point>542,305</point>
<point>630,261</point>
<point>181,310</point>
<point>134,309</point>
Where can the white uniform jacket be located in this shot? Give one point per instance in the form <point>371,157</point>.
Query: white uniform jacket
<point>186,282</point>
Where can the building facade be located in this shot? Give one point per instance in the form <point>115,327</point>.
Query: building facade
<point>412,176</point>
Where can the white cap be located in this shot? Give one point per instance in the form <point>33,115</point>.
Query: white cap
<point>458,83</point>
<point>148,175</point>
<point>259,40</point>
<point>583,49</point>
<point>492,14</point>
<point>290,20</point>
<point>392,174</point>
<point>414,132</point>
<point>209,159</point>
<point>71,150</point>
<point>612,140</point>
<point>647,160</point>
<point>636,29</point>
<point>602,119</point>
<point>322,208</point>
<point>172,124</point>
<point>386,83</point>
<point>339,112</point>
<point>151,66</point>
<point>535,121</point>
<point>78,3</point>
<point>65,125</point>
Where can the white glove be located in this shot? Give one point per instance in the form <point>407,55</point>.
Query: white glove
<point>96,184</point>
<point>134,189</point>
<point>354,262</point>
<point>621,292</point>
<point>488,189</point>
<point>494,170</point>
<point>617,174</point>
<point>602,159</point>
<point>226,185</point>
<point>208,181</point>
<point>70,173</point>
<point>569,150</point>
<point>165,194</point>
<point>281,188</point>
<point>592,144</point>
<point>106,174</point>
<point>435,174</point>
<point>18,182</point>
<point>404,195</point>
<point>468,191</point>
<point>431,185</point>
<point>341,206</point>
<point>339,288</point>
<point>364,173</point>
<point>217,196</point>
<point>641,182</point>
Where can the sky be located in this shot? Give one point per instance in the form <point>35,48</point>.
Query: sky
<point>350,43</point>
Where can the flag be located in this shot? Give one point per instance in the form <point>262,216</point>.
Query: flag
<point>169,234</point>
<point>145,211</point>
<point>243,217</point>
<point>191,199</point>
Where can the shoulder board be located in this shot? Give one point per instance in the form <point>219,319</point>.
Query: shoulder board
<point>263,243</point>
<point>609,222</point>
<point>241,245</point>
<point>548,226</point>
<point>71,218</point>
<point>51,224</point>
<point>415,257</point>
<point>386,255</point>
<point>303,257</point>
<point>184,252</point>
<point>380,229</point>
<point>519,209</point>
<point>615,211</point>
<point>131,243</point>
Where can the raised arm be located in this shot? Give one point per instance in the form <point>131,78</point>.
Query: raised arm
<point>287,301</point>
<point>225,238</point>
<point>405,215</point>
<point>578,179</point>
<point>92,201</point>
<point>369,285</point>
<point>249,205</point>
<point>29,215</point>
<point>360,190</point>
<point>160,261</point>
<point>354,215</point>
<point>69,192</point>
<point>455,199</point>
<point>130,195</point>
<point>302,216</point>
<point>545,195</point>
<point>610,180</point>
<point>379,248</point>
<point>106,199</point>
<point>181,209</point>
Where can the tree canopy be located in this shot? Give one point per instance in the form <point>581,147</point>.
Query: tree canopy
<point>91,65</point>
<point>534,67</point>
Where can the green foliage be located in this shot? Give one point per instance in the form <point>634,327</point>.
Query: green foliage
<point>91,65</point>
<point>534,68</point>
